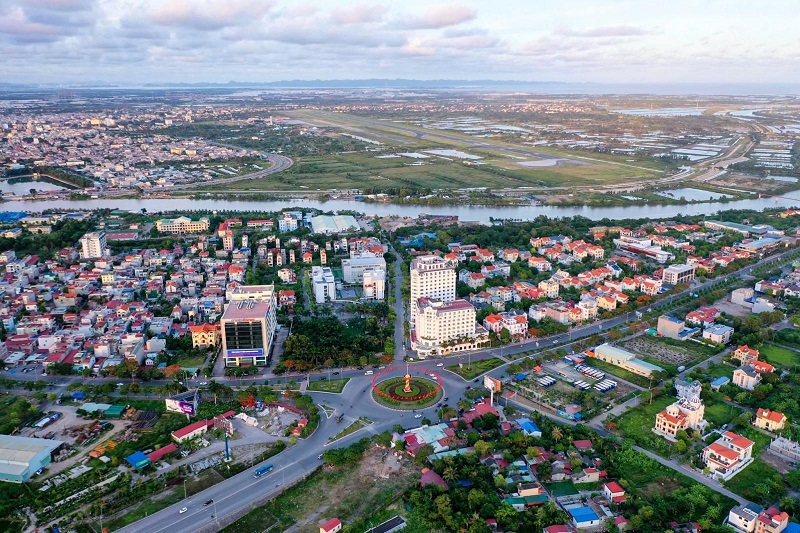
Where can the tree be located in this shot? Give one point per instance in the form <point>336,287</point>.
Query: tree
<point>482,448</point>
<point>422,453</point>
<point>557,434</point>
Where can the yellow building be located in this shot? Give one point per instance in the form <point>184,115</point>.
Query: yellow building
<point>204,335</point>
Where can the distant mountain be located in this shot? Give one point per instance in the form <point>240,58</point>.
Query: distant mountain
<point>370,83</point>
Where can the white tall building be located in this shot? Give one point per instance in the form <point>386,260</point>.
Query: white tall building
<point>431,277</point>
<point>374,283</point>
<point>323,284</point>
<point>439,323</point>
<point>93,245</point>
<point>353,268</point>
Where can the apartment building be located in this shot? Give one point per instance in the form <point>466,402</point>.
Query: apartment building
<point>323,283</point>
<point>431,277</point>
<point>93,245</point>
<point>374,284</point>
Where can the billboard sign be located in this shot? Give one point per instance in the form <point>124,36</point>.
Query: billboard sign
<point>492,384</point>
<point>254,352</point>
<point>186,403</point>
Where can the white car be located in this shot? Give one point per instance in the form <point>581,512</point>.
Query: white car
<point>439,364</point>
<point>417,415</point>
<point>183,510</point>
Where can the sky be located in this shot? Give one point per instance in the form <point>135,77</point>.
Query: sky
<point>601,41</point>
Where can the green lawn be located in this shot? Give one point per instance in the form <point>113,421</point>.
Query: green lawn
<point>352,428</point>
<point>334,385</point>
<point>476,368</point>
<point>778,355</point>
<point>720,413</point>
<point>758,482</point>
<point>147,507</point>
<point>192,362</point>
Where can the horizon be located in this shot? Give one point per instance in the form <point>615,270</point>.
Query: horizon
<point>213,41</point>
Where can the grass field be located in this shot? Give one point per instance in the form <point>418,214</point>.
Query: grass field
<point>636,425</point>
<point>334,385</point>
<point>778,355</point>
<point>719,413</point>
<point>477,368</point>
<point>756,482</point>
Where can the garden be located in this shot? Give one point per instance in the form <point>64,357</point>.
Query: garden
<point>475,368</point>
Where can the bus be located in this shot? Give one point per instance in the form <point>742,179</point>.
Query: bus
<point>261,471</point>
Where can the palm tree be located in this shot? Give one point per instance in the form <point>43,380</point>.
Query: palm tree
<point>557,434</point>
<point>449,474</point>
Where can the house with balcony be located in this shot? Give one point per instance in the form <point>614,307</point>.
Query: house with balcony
<point>728,455</point>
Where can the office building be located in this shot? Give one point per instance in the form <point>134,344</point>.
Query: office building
<point>248,330</point>
<point>675,274</point>
<point>374,284</point>
<point>323,284</point>
<point>182,225</point>
<point>93,245</point>
<point>21,457</point>
<point>431,277</point>
<point>353,268</point>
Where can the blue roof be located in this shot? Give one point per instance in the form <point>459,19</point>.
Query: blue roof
<point>583,514</point>
<point>528,425</point>
<point>138,460</point>
<point>792,527</point>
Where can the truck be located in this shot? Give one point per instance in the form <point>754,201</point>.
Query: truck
<point>262,470</point>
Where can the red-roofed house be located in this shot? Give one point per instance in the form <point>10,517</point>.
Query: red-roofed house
<point>431,477</point>
<point>331,526</point>
<point>762,367</point>
<point>583,445</point>
<point>613,492</point>
<point>556,529</point>
<point>480,409</point>
<point>161,452</point>
<point>770,420</point>
<point>726,456</point>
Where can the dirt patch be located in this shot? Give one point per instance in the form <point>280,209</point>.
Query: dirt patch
<point>660,351</point>
<point>375,482</point>
<point>662,487</point>
<point>732,309</point>
<point>777,462</point>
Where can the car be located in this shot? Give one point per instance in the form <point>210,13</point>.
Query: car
<point>208,502</point>
<point>335,373</point>
<point>432,375</point>
<point>368,373</point>
<point>439,364</point>
<point>323,378</point>
<point>38,472</point>
<point>468,387</point>
<point>476,380</point>
<point>183,510</point>
<point>418,415</point>
<point>203,383</point>
<point>445,398</point>
<point>120,384</point>
<point>319,456</point>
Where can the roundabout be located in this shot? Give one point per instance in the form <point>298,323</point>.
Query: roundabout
<point>396,389</point>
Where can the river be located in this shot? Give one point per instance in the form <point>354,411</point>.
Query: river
<point>464,212</point>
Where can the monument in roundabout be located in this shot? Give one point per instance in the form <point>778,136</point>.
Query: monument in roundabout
<point>415,388</point>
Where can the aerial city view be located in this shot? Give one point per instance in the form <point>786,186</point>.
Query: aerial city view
<point>457,267</point>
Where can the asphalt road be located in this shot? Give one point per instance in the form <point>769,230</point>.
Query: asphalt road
<point>278,163</point>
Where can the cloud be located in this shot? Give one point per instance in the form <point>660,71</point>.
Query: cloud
<point>208,14</point>
<point>438,17</point>
<point>61,5</point>
<point>359,14</point>
<point>603,31</point>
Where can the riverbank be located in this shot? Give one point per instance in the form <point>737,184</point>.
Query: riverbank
<point>463,212</point>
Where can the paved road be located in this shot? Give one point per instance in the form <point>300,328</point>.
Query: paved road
<point>244,490</point>
<point>278,163</point>
<point>399,308</point>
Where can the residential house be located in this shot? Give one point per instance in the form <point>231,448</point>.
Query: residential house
<point>613,492</point>
<point>726,456</point>
<point>746,377</point>
<point>769,420</point>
